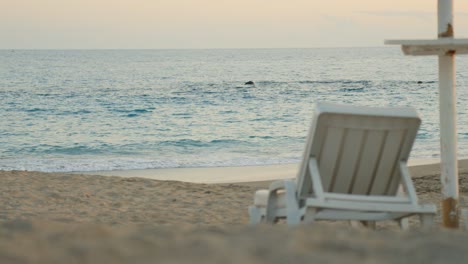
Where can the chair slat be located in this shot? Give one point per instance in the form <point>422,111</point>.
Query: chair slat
<point>348,161</point>
<point>368,162</point>
<point>330,153</point>
<point>388,162</point>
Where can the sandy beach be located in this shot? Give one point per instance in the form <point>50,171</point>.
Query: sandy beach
<point>80,218</point>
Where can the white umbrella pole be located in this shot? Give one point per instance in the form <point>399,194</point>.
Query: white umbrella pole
<point>445,46</point>
<point>448,125</point>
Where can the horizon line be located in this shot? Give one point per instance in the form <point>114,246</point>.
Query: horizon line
<point>253,48</point>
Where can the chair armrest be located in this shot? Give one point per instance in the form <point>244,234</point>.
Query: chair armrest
<point>283,184</point>
<point>292,205</point>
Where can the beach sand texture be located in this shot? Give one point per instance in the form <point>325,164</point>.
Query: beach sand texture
<point>73,218</point>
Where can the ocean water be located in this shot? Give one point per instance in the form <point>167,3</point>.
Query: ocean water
<point>88,110</point>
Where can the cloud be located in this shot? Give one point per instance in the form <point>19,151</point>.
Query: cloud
<point>412,14</point>
<point>339,20</point>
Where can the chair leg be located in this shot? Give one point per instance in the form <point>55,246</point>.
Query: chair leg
<point>255,215</point>
<point>309,216</point>
<point>427,221</point>
<point>293,219</point>
<point>293,216</point>
<point>271,208</point>
<point>403,223</point>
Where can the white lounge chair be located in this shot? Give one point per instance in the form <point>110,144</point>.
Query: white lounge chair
<point>354,168</point>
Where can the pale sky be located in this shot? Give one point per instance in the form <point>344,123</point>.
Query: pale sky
<point>174,24</point>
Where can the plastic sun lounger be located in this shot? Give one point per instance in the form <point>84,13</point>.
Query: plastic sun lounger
<point>354,168</point>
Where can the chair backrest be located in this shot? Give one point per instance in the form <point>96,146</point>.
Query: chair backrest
<point>358,149</point>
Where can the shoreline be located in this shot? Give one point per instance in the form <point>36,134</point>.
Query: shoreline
<point>246,174</point>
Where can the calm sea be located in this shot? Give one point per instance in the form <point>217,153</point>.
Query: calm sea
<point>86,110</point>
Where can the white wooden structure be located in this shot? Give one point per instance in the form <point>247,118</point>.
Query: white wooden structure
<point>446,46</point>
<point>354,168</point>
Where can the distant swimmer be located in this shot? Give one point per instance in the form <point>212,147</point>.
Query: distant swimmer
<point>419,82</point>
<point>249,83</point>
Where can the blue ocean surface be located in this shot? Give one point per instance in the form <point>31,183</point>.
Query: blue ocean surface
<point>88,110</point>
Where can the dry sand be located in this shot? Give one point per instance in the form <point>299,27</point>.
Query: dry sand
<point>73,218</point>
